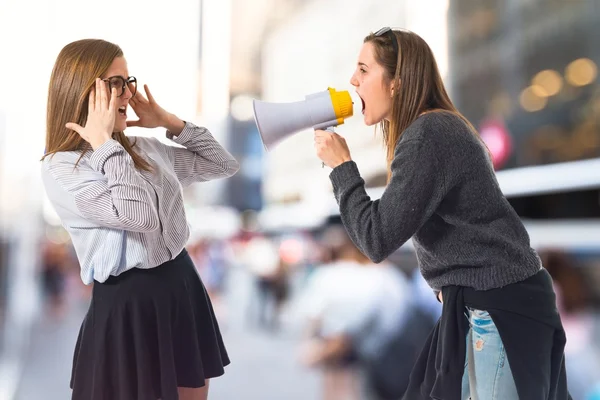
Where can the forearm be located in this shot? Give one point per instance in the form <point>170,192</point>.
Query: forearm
<point>372,227</point>
<point>415,190</point>
<point>123,200</point>
<point>174,124</point>
<point>203,158</point>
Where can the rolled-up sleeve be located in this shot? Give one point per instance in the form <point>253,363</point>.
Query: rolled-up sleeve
<point>202,158</point>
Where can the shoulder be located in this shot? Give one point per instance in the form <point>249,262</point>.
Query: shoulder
<point>439,126</point>
<point>445,134</point>
<point>142,141</point>
<point>147,144</point>
<point>62,159</point>
<point>69,169</point>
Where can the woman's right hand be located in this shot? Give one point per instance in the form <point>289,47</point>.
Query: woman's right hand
<point>101,116</point>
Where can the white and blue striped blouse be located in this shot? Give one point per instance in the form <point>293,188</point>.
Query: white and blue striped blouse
<point>121,218</point>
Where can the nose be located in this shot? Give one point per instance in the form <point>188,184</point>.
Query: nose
<point>353,80</point>
<point>127,93</point>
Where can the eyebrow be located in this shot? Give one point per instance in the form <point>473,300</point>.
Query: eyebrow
<point>121,75</point>
<point>363,64</point>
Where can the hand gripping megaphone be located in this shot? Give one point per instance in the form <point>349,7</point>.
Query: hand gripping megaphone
<point>322,110</point>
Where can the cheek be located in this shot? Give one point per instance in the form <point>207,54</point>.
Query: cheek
<point>376,92</point>
<point>384,100</point>
<point>379,104</point>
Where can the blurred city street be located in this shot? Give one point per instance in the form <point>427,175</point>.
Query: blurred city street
<point>304,312</point>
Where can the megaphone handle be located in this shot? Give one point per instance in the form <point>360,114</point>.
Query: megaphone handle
<point>332,130</point>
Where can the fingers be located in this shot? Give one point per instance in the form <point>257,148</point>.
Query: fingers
<point>321,133</point>
<point>103,94</point>
<point>330,147</point>
<point>92,100</point>
<point>150,97</point>
<point>98,103</point>
<point>133,102</point>
<point>132,89</point>
<point>320,146</point>
<point>74,127</point>
<point>139,97</point>
<point>326,136</point>
<point>134,123</point>
<point>321,136</point>
<point>113,100</point>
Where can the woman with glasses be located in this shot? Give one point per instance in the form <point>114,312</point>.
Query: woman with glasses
<point>500,335</point>
<point>150,332</point>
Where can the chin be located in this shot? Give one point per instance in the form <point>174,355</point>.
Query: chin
<point>369,121</point>
<point>119,128</point>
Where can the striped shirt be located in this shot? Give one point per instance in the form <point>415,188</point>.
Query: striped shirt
<point>119,217</point>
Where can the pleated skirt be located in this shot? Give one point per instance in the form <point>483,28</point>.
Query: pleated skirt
<point>146,333</point>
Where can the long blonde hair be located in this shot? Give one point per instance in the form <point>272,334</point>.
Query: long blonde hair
<point>418,84</point>
<point>76,68</point>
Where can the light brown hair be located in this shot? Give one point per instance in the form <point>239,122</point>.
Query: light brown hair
<point>418,84</point>
<point>76,68</point>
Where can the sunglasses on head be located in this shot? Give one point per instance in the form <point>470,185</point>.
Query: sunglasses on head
<point>387,31</point>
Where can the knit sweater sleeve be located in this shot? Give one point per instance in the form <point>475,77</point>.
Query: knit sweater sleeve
<point>416,188</point>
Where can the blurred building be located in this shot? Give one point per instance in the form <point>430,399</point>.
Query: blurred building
<point>526,74</point>
<point>532,66</point>
<point>250,24</point>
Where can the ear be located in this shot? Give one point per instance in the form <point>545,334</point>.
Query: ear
<point>393,86</point>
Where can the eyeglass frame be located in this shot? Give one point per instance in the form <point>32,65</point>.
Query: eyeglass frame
<point>389,32</point>
<point>127,81</point>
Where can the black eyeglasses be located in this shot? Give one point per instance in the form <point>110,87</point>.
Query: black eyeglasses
<point>119,83</point>
<point>387,31</point>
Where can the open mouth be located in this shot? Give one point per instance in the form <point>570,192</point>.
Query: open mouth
<point>362,103</point>
<point>123,111</point>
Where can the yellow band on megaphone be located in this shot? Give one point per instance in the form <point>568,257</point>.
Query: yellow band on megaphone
<point>342,104</point>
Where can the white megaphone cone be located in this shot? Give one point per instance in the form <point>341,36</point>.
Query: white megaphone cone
<point>322,110</point>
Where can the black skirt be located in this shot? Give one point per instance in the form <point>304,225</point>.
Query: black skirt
<point>146,333</point>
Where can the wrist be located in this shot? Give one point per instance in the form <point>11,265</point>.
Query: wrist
<point>99,142</point>
<point>174,125</point>
<point>343,160</point>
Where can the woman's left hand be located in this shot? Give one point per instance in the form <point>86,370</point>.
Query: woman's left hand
<point>331,148</point>
<point>151,115</point>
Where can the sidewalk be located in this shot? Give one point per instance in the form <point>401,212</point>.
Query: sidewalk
<point>47,368</point>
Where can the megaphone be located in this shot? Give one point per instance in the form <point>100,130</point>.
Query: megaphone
<point>322,110</point>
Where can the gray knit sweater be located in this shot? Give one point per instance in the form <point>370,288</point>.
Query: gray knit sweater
<point>444,194</point>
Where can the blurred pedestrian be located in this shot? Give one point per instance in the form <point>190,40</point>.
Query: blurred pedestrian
<point>580,319</point>
<point>263,261</point>
<point>55,264</point>
<point>354,309</point>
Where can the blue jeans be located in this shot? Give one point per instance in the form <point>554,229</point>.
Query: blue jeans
<point>487,373</point>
